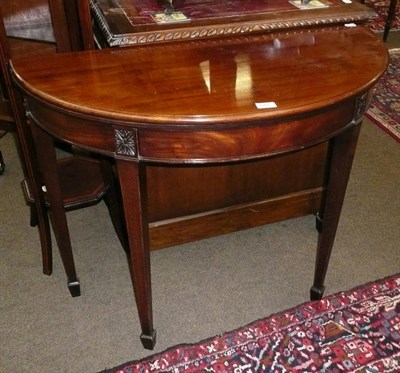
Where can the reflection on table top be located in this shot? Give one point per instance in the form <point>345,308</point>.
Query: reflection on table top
<point>210,81</point>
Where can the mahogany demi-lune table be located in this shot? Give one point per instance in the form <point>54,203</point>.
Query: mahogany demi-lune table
<point>186,204</point>
<point>217,101</point>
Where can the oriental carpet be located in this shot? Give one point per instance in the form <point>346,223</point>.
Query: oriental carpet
<point>385,106</point>
<point>381,7</point>
<point>352,331</point>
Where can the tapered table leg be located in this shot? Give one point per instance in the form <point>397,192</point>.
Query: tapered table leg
<point>48,166</point>
<point>133,179</point>
<point>44,234</point>
<point>342,149</point>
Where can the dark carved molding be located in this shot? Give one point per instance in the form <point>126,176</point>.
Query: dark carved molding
<point>213,31</point>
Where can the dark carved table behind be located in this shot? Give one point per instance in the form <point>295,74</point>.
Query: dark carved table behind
<point>130,22</point>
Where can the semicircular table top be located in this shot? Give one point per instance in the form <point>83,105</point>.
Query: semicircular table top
<point>207,101</point>
<point>210,81</point>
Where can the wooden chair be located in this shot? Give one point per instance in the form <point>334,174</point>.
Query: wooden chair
<point>20,23</point>
<point>78,181</point>
<point>2,164</point>
<point>6,119</point>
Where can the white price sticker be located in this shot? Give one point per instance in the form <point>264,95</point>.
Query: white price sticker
<point>266,105</point>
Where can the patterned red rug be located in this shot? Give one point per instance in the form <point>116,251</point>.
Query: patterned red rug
<point>353,331</point>
<point>381,7</point>
<point>385,106</point>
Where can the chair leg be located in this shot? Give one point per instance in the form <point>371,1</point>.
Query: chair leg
<point>2,164</point>
<point>48,167</point>
<point>31,186</point>
<point>389,18</point>
<point>33,216</point>
<point>45,237</point>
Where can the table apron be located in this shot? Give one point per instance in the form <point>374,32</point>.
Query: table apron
<point>194,143</point>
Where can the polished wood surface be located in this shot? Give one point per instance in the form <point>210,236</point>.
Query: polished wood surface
<point>139,85</point>
<point>224,102</point>
<point>181,207</point>
<point>186,204</point>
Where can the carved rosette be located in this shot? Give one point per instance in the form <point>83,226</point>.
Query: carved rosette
<point>362,105</point>
<point>125,142</point>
